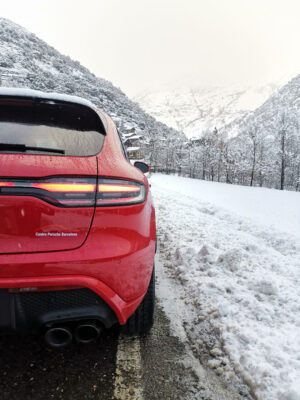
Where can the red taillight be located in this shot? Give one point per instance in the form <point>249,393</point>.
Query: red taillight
<point>6,184</point>
<point>111,188</point>
<point>116,192</point>
<point>77,192</point>
<point>65,187</point>
<point>60,191</point>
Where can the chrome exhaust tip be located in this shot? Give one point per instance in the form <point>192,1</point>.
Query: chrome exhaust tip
<point>58,336</point>
<point>87,332</point>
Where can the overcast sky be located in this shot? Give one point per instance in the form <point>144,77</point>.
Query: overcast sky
<point>147,44</point>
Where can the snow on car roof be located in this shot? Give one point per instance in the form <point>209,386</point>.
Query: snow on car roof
<point>19,92</point>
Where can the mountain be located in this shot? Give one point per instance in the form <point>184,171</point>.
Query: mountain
<point>196,110</point>
<point>256,142</point>
<point>268,117</point>
<point>27,61</point>
<point>265,144</point>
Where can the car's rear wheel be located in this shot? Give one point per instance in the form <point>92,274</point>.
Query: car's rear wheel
<point>142,319</point>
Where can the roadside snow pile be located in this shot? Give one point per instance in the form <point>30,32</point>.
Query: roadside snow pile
<point>228,247</point>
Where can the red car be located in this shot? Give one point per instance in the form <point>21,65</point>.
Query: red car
<point>77,222</point>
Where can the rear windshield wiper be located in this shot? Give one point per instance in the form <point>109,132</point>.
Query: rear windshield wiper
<point>22,148</point>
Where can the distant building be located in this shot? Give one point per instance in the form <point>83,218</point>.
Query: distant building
<point>132,140</point>
<point>134,153</point>
<point>12,77</point>
<point>132,143</point>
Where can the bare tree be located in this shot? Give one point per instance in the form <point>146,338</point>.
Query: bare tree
<point>254,143</point>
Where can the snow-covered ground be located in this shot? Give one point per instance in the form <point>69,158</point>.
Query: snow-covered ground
<point>236,253</point>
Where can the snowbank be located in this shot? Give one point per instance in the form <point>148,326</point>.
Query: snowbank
<point>230,248</point>
<point>268,207</point>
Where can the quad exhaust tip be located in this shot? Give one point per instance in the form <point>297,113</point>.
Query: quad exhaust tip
<point>59,336</point>
<point>87,332</point>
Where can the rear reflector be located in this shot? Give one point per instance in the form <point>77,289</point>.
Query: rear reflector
<point>77,192</point>
<point>42,289</point>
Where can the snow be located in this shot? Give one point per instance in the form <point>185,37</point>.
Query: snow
<point>197,109</point>
<point>132,148</point>
<point>235,251</point>
<point>6,91</point>
<point>28,62</point>
<point>132,137</point>
<point>267,207</point>
<point>169,296</point>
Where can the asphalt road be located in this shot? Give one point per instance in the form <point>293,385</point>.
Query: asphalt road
<point>31,370</point>
<point>157,366</point>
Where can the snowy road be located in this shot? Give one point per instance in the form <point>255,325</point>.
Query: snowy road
<point>234,253</point>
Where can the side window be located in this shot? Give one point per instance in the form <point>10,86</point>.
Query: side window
<point>122,146</point>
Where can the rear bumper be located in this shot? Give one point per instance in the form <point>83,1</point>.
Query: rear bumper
<point>119,308</point>
<point>32,312</point>
<point>115,262</point>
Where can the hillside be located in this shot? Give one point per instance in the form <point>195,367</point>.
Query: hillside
<point>285,100</point>
<point>261,148</point>
<point>267,141</point>
<point>196,110</point>
<point>27,61</point>
<point>258,147</point>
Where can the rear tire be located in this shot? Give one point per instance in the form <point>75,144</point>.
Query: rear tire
<point>143,318</point>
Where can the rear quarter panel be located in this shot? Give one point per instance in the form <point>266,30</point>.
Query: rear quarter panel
<point>111,160</point>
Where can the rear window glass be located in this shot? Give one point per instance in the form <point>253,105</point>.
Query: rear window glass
<point>49,128</point>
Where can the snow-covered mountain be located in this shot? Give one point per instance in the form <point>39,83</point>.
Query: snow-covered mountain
<point>196,110</point>
<point>27,61</point>
<point>267,140</point>
<point>256,146</point>
<point>268,117</point>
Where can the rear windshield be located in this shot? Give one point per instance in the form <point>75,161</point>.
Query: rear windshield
<point>49,128</point>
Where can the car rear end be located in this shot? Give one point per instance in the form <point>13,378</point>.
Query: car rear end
<point>77,232</point>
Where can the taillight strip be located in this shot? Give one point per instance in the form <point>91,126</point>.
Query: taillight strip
<point>59,191</point>
<point>111,188</point>
<point>131,200</point>
<point>117,192</point>
<point>7,184</point>
<point>77,202</point>
<point>65,187</point>
<point>77,192</point>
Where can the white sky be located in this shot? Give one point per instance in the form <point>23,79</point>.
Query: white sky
<point>147,44</point>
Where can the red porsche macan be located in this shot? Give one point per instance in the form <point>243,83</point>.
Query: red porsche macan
<point>77,223</point>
